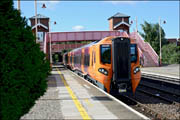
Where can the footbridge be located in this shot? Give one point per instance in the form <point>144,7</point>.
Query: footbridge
<point>70,40</point>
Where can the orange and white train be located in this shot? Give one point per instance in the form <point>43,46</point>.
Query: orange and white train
<point>112,63</point>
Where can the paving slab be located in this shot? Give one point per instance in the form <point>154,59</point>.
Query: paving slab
<point>166,70</point>
<point>70,97</point>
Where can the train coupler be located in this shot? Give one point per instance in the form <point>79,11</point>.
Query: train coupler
<point>122,87</point>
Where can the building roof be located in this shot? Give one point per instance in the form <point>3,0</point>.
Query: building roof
<point>39,24</point>
<point>118,15</point>
<point>38,16</point>
<point>121,23</point>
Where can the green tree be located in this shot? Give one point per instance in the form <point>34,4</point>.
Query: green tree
<point>23,66</point>
<point>171,54</point>
<point>151,35</point>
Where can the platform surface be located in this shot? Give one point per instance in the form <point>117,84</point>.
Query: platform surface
<point>71,97</point>
<point>168,70</point>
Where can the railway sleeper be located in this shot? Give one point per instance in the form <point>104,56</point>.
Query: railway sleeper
<point>153,95</point>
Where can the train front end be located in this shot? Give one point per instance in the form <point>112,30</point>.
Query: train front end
<point>125,65</point>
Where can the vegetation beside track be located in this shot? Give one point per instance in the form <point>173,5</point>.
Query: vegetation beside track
<point>170,51</point>
<point>23,66</point>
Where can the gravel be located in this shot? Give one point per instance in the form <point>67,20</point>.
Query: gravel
<point>156,108</point>
<point>48,105</point>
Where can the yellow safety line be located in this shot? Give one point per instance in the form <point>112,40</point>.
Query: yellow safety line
<point>80,108</point>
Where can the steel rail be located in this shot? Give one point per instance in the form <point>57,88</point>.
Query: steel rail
<point>145,107</point>
<point>161,90</point>
<point>155,96</point>
<point>161,78</point>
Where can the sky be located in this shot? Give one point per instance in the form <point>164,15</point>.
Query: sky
<point>93,15</point>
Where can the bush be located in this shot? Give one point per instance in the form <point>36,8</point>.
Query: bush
<point>171,54</point>
<point>23,66</point>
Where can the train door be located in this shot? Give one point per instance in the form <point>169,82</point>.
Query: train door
<point>82,60</point>
<point>121,63</point>
<point>93,63</point>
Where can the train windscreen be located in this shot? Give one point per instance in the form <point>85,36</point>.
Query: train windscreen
<point>105,54</point>
<point>133,51</point>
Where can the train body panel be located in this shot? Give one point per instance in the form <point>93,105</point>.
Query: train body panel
<point>82,61</point>
<point>111,63</point>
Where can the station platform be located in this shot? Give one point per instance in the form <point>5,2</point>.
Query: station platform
<point>171,71</point>
<point>70,97</point>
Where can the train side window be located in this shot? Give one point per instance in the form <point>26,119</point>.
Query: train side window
<point>105,54</point>
<point>86,60</point>
<point>94,57</point>
<point>133,51</point>
<point>71,59</point>
<point>82,58</point>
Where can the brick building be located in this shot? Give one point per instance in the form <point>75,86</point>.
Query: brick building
<point>174,40</point>
<point>119,21</point>
<point>42,26</point>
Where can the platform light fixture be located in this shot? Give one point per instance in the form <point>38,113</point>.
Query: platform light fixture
<point>35,4</point>
<point>50,36</point>
<point>18,5</point>
<point>43,6</point>
<point>160,54</point>
<point>136,24</point>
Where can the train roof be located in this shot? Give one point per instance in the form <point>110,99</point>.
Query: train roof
<point>87,45</point>
<point>92,43</point>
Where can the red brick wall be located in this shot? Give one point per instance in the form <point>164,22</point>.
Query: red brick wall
<point>111,24</point>
<point>114,21</point>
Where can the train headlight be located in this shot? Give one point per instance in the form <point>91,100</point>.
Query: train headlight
<point>103,71</point>
<point>137,69</point>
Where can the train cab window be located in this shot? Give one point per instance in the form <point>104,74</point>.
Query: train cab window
<point>105,54</point>
<point>133,50</point>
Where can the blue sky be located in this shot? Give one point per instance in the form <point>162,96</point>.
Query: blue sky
<point>93,15</point>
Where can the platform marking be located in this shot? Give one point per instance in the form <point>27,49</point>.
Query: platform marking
<point>80,108</point>
<point>112,97</point>
<point>86,86</point>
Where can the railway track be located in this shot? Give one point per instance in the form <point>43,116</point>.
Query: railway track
<point>154,107</point>
<point>163,94</point>
<point>155,95</point>
<point>154,100</point>
<point>157,100</point>
<point>177,94</point>
<point>172,80</point>
<point>144,109</point>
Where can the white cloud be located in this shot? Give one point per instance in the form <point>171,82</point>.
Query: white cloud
<point>78,28</point>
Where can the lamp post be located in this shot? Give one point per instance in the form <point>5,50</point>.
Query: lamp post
<point>50,40</point>
<point>160,54</point>
<point>136,24</point>
<point>18,5</point>
<point>50,36</point>
<point>35,4</point>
